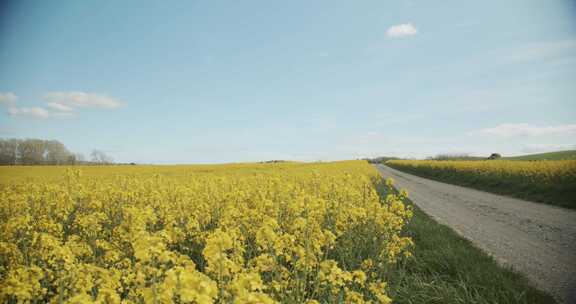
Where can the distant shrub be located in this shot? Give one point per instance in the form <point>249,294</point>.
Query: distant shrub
<point>495,156</point>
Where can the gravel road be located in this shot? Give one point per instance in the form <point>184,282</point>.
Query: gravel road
<point>536,239</point>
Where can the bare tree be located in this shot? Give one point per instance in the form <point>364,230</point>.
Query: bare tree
<point>56,153</point>
<point>32,151</point>
<point>79,157</point>
<point>44,152</point>
<point>100,157</point>
<point>9,151</point>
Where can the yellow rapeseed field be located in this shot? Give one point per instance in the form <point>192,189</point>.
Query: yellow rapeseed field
<point>246,233</point>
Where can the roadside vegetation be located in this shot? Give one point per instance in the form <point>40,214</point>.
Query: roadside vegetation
<point>550,182</point>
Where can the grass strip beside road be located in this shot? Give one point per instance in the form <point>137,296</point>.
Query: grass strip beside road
<point>447,268</point>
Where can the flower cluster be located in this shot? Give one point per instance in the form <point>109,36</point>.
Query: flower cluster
<point>259,233</point>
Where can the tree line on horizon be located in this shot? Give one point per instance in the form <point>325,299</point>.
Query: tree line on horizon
<point>32,151</point>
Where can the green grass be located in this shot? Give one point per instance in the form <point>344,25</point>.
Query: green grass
<point>559,155</point>
<point>447,268</point>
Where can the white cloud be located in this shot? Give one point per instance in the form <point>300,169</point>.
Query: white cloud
<point>37,113</point>
<point>59,104</point>
<point>524,129</point>
<point>60,107</point>
<point>8,99</point>
<point>401,30</point>
<point>69,100</point>
<point>33,112</point>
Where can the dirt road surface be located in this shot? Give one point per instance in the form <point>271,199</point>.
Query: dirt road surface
<point>536,239</point>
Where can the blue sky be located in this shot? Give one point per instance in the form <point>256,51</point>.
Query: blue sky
<point>226,81</point>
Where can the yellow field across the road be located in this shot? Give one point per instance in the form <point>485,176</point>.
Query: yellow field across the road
<point>535,171</point>
<point>547,181</point>
<point>244,233</point>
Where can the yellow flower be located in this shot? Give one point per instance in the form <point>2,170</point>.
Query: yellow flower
<point>378,290</point>
<point>239,233</point>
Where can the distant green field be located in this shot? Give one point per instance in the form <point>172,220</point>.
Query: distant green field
<point>559,155</point>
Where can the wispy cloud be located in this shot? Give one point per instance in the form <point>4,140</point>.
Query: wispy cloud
<point>8,99</point>
<point>58,104</point>
<point>401,30</point>
<point>60,107</point>
<point>35,112</point>
<point>65,101</point>
<point>524,129</point>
